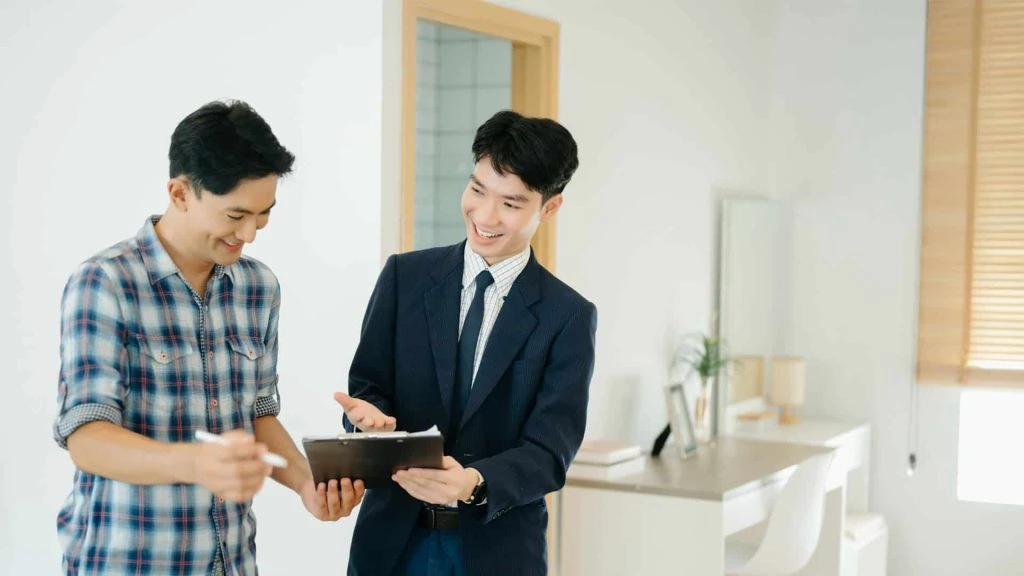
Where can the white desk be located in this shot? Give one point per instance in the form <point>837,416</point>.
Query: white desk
<point>851,439</point>
<point>674,516</point>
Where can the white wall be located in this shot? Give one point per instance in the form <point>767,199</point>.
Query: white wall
<point>92,92</point>
<point>665,99</point>
<point>846,138</point>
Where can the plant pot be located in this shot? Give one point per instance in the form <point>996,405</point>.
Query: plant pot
<point>701,420</point>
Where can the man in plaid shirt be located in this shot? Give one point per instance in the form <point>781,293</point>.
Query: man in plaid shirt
<point>171,332</point>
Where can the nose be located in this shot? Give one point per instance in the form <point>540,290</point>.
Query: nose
<point>487,214</point>
<point>247,233</point>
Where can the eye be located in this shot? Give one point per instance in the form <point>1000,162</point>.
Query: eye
<point>236,218</point>
<point>478,192</point>
<point>512,206</point>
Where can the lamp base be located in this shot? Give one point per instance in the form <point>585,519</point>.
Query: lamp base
<point>787,416</point>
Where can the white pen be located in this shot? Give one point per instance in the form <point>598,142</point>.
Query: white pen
<point>268,457</point>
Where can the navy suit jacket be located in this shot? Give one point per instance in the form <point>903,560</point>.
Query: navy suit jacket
<point>524,420</point>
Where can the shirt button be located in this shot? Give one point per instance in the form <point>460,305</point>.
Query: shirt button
<point>220,500</point>
<point>252,354</point>
<point>213,402</point>
<point>210,353</point>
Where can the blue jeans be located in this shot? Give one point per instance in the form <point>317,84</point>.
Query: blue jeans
<point>432,553</point>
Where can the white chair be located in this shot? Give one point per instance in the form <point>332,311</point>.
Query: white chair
<point>794,525</point>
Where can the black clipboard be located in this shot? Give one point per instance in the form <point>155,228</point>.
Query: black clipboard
<point>371,456</point>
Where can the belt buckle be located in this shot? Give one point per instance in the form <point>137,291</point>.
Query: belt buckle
<point>432,514</point>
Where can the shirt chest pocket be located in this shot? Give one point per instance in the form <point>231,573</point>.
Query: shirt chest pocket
<point>169,370</point>
<point>245,357</point>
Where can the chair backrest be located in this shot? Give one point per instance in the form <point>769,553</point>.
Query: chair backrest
<point>794,526</point>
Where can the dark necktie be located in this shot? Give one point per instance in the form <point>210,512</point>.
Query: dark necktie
<point>467,348</point>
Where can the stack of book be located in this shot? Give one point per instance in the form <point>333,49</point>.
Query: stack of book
<point>607,459</point>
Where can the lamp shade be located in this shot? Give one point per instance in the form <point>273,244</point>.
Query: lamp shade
<point>787,380</point>
<point>747,378</point>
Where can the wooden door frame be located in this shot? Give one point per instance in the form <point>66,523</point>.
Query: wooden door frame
<point>534,85</point>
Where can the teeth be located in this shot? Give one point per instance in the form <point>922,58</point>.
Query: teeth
<point>485,234</point>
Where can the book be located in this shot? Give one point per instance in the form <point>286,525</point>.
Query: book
<point>581,471</point>
<point>606,452</point>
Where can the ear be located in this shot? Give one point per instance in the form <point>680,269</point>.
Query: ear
<point>550,208</point>
<point>179,190</point>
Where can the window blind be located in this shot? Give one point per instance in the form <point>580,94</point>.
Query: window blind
<point>971,300</point>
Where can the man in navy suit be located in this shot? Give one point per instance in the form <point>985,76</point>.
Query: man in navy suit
<point>481,341</point>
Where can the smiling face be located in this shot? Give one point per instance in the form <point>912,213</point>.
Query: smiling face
<point>216,227</point>
<point>501,213</point>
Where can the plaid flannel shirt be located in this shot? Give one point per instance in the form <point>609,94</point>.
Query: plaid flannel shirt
<point>140,349</point>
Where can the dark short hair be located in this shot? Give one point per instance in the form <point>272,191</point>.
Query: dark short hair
<point>223,143</point>
<point>540,151</point>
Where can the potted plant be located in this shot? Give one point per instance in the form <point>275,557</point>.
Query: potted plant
<point>703,355</point>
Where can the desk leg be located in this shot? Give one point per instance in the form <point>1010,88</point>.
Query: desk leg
<point>827,558</point>
<point>612,533</point>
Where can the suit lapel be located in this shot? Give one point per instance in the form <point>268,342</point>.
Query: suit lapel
<point>442,303</point>
<point>513,326</point>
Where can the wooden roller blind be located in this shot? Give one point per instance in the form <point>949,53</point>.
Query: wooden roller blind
<point>971,315</point>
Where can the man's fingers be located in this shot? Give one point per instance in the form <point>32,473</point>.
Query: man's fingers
<point>246,469</point>
<point>333,500</point>
<point>359,488</point>
<point>440,476</point>
<point>348,498</point>
<point>320,495</point>
<point>365,415</point>
<point>368,421</point>
<point>423,482</point>
<point>347,402</point>
<point>246,450</point>
<point>255,480</point>
<point>414,491</point>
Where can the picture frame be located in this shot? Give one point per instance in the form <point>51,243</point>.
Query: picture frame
<point>679,420</point>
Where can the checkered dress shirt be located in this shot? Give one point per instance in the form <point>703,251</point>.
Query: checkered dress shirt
<point>140,349</point>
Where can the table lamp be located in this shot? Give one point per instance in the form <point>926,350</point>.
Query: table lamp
<point>787,388</point>
<point>746,380</point>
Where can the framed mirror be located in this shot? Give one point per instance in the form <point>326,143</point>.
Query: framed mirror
<point>753,304</point>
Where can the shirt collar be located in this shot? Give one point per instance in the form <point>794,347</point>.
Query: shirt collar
<point>504,272</point>
<point>158,262</point>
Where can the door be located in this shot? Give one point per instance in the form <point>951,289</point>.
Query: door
<point>462,61</point>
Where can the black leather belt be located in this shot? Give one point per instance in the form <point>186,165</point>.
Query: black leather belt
<point>439,518</point>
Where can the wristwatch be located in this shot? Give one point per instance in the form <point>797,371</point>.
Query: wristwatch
<point>479,494</point>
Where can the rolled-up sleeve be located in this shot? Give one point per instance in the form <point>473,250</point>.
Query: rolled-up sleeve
<point>93,359</point>
<point>267,397</point>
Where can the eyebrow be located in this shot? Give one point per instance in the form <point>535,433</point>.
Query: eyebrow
<point>512,198</point>
<point>241,210</point>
